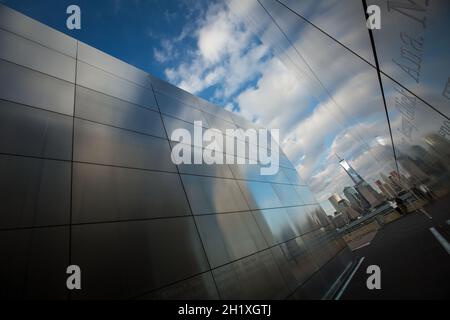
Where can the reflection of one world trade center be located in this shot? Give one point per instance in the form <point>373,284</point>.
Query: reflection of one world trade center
<point>369,197</point>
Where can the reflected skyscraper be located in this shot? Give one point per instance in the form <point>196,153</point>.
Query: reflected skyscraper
<point>357,202</point>
<point>350,171</point>
<point>365,190</point>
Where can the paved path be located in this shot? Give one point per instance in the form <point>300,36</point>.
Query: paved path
<point>413,263</point>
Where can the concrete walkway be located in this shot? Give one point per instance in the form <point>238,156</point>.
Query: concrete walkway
<point>414,263</point>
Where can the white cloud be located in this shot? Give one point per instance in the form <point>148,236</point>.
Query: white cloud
<point>215,38</point>
<point>226,55</point>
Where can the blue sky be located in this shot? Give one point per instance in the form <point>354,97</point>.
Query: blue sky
<point>207,49</point>
<point>128,29</point>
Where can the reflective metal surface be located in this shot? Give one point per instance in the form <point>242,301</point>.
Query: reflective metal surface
<point>172,124</point>
<point>323,13</point>
<point>303,218</point>
<point>213,195</point>
<point>275,225</point>
<point>287,195</point>
<point>101,81</point>
<point>413,51</point>
<point>112,65</point>
<point>213,170</point>
<point>230,236</point>
<point>179,110</point>
<point>34,56</point>
<point>23,85</point>
<point>92,105</point>
<point>33,192</point>
<point>34,132</point>
<point>218,123</point>
<point>200,287</point>
<point>102,193</point>
<point>97,143</point>
<point>295,262</point>
<point>139,255</point>
<point>34,266</point>
<point>256,277</point>
<point>397,128</point>
<point>28,28</point>
<point>116,205</point>
<point>259,195</point>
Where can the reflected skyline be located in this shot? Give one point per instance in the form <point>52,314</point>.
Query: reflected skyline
<point>87,144</point>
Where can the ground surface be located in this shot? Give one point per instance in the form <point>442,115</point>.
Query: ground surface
<point>414,265</point>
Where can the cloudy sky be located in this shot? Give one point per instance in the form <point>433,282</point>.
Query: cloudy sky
<point>322,98</point>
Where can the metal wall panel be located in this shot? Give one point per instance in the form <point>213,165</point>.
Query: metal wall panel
<point>34,132</point>
<point>279,177</point>
<point>294,261</point>
<point>247,171</point>
<point>275,225</point>
<point>97,143</point>
<point>23,85</point>
<point>321,246</point>
<point>200,287</point>
<point>102,193</point>
<point>287,194</point>
<point>174,92</point>
<point>313,289</point>
<point>98,107</point>
<point>214,110</point>
<point>32,55</point>
<point>305,194</point>
<point>176,108</point>
<point>218,123</point>
<point>133,223</point>
<point>33,192</point>
<point>213,170</point>
<point>128,259</point>
<point>213,195</point>
<point>33,263</point>
<point>254,277</point>
<point>228,237</point>
<point>292,176</point>
<point>303,219</point>
<point>354,35</point>
<point>31,29</point>
<point>259,195</point>
<point>113,65</point>
<point>172,124</point>
<point>101,81</point>
<point>284,161</point>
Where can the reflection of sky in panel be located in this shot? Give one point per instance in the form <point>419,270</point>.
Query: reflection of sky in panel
<point>333,106</point>
<point>425,48</point>
<point>347,89</point>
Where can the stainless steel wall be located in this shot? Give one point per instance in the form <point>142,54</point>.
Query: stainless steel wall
<point>87,179</point>
<point>390,116</point>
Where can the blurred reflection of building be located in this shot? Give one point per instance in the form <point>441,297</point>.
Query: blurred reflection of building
<point>373,197</point>
<point>364,189</point>
<point>340,220</point>
<point>386,189</point>
<point>410,166</point>
<point>427,164</point>
<point>391,183</point>
<point>346,208</point>
<point>357,202</point>
<point>400,180</point>
<point>439,147</point>
<point>334,200</point>
<point>343,207</point>
<point>351,172</point>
